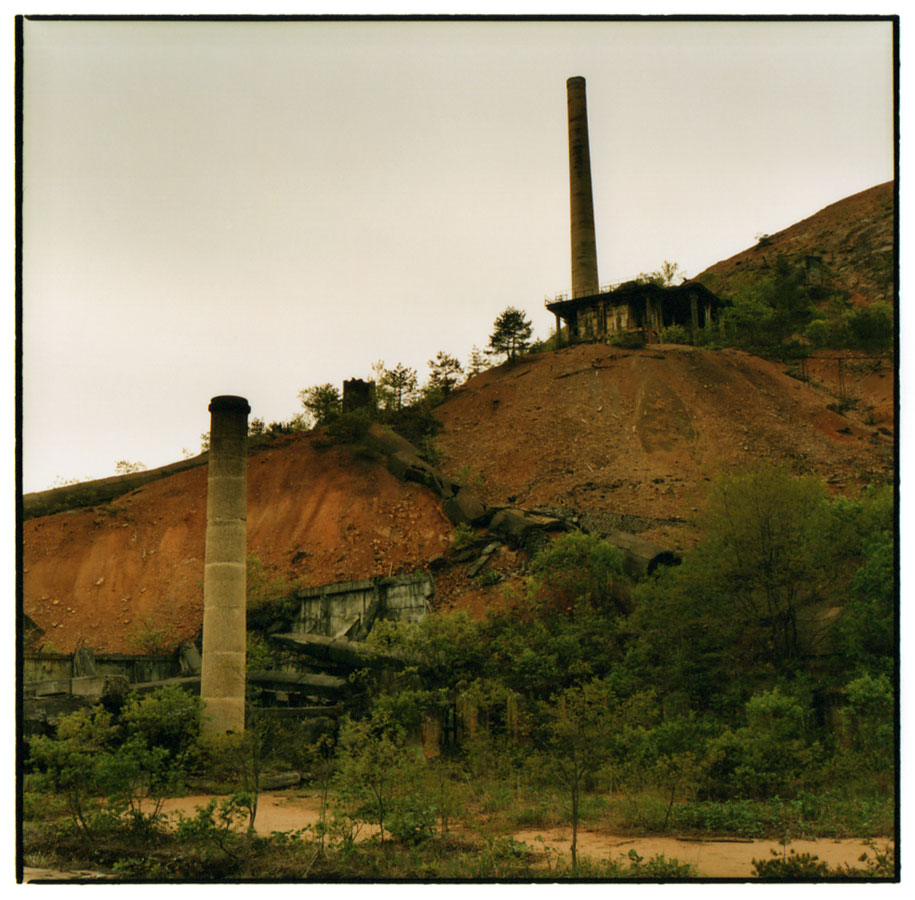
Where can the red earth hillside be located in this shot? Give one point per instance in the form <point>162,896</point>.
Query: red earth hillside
<point>103,576</point>
<point>632,437</point>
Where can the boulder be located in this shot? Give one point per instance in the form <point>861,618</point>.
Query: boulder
<point>514,526</point>
<point>464,508</point>
<point>405,463</point>
<point>640,556</point>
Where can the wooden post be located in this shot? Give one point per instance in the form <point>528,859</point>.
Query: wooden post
<point>694,313</point>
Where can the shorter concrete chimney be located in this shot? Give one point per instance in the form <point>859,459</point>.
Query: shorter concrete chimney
<point>222,679</point>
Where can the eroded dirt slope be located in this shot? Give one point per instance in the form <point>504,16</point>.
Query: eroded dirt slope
<point>634,436</point>
<point>102,576</point>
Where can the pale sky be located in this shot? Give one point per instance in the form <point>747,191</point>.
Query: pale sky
<point>254,208</point>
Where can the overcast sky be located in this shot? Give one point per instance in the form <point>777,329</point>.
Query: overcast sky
<point>254,208</point>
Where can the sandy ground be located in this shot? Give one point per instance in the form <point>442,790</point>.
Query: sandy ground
<point>728,858</point>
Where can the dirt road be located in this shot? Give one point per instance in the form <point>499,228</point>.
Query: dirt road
<point>710,858</point>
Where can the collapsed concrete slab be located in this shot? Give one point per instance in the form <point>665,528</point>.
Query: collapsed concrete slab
<point>641,557</point>
<point>515,526</point>
<point>341,651</point>
<point>464,508</point>
<point>405,463</point>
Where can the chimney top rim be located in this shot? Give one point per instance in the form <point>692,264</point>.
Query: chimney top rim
<point>229,403</point>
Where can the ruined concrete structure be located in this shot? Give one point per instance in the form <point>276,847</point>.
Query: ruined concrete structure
<point>356,394</point>
<point>350,608</point>
<point>635,307</point>
<point>591,313</point>
<point>222,685</point>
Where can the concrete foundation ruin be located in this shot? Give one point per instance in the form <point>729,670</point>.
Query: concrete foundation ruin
<point>350,608</point>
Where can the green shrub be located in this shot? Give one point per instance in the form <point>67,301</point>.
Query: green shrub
<point>575,569</point>
<point>469,477</point>
<point>462,536</point>
<point>879,863</point>
<point>770,755</point>
<point>152,638</point>
<point>794,865</point>
<point>674,334</point>
<point>630,340</point>
<point>70,762</point>
<point>657,867</point>
<point>350,427</point>
<point>414,423</point>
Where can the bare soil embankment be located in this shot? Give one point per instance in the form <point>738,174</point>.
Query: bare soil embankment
<point>105,576</point>
<point>633,437</point>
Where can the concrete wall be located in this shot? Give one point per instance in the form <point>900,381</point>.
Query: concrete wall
<point>333,609</point>
<point>136,668</point>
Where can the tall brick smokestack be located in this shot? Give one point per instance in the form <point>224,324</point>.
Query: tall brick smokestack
<point>222,684</point>
<point>584,248</point>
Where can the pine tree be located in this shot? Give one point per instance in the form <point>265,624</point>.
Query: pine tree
<point>446,372</point>
<point>322,402</point>
<point>512,333</point>
<point>477,362</point>
<point>402,382</point>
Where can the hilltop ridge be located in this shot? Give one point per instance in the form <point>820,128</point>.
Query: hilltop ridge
<point>854,239</point>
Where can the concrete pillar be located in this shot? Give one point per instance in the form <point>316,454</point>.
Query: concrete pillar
<point>558,331</point>
<point>581,203</point>
<point>694,314</point>
<point>222,677</point>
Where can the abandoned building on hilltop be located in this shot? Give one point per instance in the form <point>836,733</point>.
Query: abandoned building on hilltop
<point>635,307</point>
<point>591,313</point>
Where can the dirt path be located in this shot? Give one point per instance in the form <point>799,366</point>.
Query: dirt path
<point>709,858</point>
